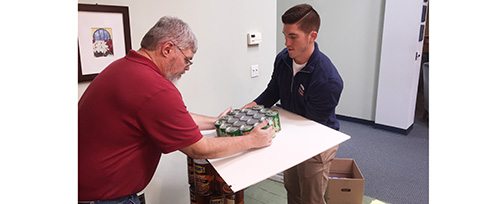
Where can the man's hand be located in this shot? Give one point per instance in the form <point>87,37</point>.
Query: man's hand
<point>224,112</point>
<point>250,105</point>
<point>262,137</point>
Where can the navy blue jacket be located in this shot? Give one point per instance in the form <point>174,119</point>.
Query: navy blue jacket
<point>313,93</point>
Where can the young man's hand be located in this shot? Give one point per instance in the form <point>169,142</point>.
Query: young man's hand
<point>250,105</point>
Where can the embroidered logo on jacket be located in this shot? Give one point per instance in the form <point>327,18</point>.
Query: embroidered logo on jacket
<point>301,90</point>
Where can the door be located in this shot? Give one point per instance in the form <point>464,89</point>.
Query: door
<point>402,43</point>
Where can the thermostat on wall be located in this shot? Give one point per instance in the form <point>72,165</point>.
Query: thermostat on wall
<point>253,38</point>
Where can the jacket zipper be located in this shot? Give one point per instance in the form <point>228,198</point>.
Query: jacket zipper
<point>292,71</point>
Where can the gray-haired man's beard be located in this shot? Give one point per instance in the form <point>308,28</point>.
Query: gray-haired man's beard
<point>173,79</point>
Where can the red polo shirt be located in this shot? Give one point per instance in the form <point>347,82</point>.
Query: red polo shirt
<point>127,117</point>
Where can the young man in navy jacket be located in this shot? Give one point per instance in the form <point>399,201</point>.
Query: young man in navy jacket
<point>306,83</point>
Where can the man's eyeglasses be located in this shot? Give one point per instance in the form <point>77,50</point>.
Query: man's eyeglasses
<point>186,59</point>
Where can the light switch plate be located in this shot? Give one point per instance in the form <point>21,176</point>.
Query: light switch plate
<point>254,70</point>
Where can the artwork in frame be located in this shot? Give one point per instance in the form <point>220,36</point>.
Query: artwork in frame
<point>103,37</point>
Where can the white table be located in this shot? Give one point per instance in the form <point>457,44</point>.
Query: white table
<point>299,140</point>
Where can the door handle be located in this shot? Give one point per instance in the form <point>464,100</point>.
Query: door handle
<point>417,56</point>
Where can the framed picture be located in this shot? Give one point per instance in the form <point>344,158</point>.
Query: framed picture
<point>103,37</point>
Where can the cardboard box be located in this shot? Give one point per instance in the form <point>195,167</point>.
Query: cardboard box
<point>346,183</point>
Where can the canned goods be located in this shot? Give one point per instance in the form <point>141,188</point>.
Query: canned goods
<point>206,186</point>
<point>273,114</point>
<point>204,177</point>
<point>191,172</point>
<point>258,116</point>
<point>225,117</point>
<point>252,122</point>
<point>261,119</point>
<point>222,187</point>
<point>218,124</point>
<point>239,197</point>
<point>239,123</point>
<point>230,199</point>
<point>232,120</point>
<point>264,111</point>
<point>233,131</point>
<point>193,197</point>
<point>222,129</point>
<point>217,199</point>
<point>202,199</point>
<point>233,112</point>
<point>239,115</point>
<point>271,122</point>
<point>245,118</point>
<point>246,129</point>
<point>257,107</point>
<point>251,112</point>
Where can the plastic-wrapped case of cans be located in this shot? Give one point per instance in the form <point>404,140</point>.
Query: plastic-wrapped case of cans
<point>241,121</point>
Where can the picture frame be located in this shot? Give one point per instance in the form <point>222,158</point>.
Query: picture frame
<point>103,37</point>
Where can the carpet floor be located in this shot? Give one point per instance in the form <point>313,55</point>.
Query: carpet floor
<point>272,192</point>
